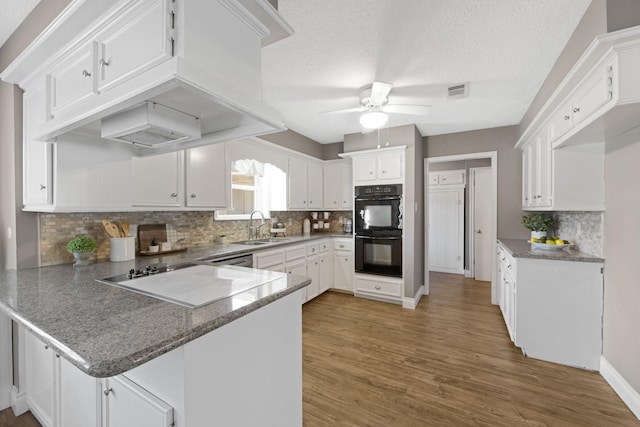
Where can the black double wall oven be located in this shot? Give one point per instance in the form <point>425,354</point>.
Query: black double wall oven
<point>378,229</point>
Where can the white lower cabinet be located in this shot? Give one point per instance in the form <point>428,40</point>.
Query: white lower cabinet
<point>61,395</point>
<point>552,308</point>
<point>78,397</point>
<point>313,272</point>
<point>378,287</point>
<point>41,372</point>
<point>126,404</point>
<point>342,264</point>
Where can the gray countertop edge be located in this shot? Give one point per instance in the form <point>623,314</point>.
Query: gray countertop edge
<point>522,249</point>
<point>110,368</point>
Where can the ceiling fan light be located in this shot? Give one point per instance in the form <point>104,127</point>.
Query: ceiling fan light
<point>373,119</point>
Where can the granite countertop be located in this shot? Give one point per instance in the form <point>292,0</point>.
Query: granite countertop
<point>105,330</point>
<point>522,249</point>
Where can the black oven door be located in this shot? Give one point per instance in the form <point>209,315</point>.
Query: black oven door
<point>379,255</point>
<point>378,216</point>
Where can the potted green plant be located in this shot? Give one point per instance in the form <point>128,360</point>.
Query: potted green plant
<point>539,223</point>
<point>153,246</point>
<point>82,247</point>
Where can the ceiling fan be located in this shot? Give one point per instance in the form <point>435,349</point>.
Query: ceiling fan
<point>374,103</point>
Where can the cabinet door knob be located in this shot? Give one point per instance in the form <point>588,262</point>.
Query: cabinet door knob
<point>370,172</point>
<point>383,172</point>
<point>193,195</point>
<point>85,73</point>
<point>174,195</point>
<point>107,391</point>
<point>104,62</point>
<point>479,231</point>
<point>377,287</point>
<point>567,117</point>
<point>46,346</point>
<point>43,187</point>
<point>342,246</point>
<point>576,109</point>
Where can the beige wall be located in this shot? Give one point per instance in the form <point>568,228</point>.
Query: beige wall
<point>294,141</point>
<point>622,14</point>
<point>593,23</point>
<point>8,248</point>
<point>509,169</point>
<point>621,345</point>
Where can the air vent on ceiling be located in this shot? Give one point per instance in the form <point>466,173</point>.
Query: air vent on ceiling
<point>458,91</point>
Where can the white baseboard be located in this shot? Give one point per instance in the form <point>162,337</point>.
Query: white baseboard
<point>627,393</point>
<point>467,273</point>
<point>412,303</point>
<point>18,402</point>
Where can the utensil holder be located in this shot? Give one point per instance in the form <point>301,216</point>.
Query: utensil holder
<point>122,248</point>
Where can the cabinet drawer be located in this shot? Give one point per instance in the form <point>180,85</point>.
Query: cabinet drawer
<point>268,259</point>
<point>295,252</point>
<point>313,249</point>
<point>324,246</point>
<point>380,288</point>
<point>342,245</point>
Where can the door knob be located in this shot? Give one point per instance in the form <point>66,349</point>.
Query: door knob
<point>479,231</point>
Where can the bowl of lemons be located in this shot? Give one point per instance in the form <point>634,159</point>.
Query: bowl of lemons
<point>546,243</point>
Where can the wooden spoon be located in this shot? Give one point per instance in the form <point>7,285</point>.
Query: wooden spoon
<point>111,229</point>
<point>124,225</point>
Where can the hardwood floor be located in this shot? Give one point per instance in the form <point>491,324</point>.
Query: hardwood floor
<point>448,363</point>
<point>7,419</point>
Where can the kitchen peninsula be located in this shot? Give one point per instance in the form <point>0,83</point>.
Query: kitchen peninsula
<point>236,361</point>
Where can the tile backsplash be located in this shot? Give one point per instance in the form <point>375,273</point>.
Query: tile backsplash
<point>583,228</point>
<point>184,229</point>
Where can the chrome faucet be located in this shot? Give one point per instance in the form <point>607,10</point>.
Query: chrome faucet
<point>254,232</point>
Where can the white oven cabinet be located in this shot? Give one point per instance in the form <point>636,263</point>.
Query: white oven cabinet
<point>378,287</point>
<point>126,404</point>
<point>343,264</point>
<point>381,166</point>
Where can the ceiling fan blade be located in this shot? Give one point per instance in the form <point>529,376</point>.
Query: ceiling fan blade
<point>410,109</point>
<point>346,110</point>
<point>379,92</point>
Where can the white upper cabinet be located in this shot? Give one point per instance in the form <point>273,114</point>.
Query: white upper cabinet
<point>157,180</point>
<point>598,100</point>
<point>338,187</point>
<point>150,24</point>
<point>314,185</point>
<point>304,184</point>
<point>536,173</point>
<point>71,81</point>
<point>207,177</point>
<point>384,166</point>
<point>444,178</point>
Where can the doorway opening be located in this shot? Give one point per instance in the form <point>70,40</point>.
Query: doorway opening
<point>477,249</point>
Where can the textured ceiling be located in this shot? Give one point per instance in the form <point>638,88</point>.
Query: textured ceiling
<point>503,48</point>
<point>12,13</point>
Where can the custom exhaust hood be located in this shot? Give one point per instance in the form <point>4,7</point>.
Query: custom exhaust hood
<point>194,78</point>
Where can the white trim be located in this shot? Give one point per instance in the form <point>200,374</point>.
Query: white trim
<point>493,155</point>
<point>412,303</point>
<point>19,403</point>
<point>468,273</point>
<point>472,219</point>
<point>617,382</point>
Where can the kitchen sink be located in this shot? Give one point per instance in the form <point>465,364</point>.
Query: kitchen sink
<point>262,242</point>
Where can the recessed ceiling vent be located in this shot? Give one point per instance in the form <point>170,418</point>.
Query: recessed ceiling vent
<point>151,125</point>
<point>458,91</point>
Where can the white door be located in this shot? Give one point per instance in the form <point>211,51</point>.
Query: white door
<point>446,230</point>
<point>481,187</point>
